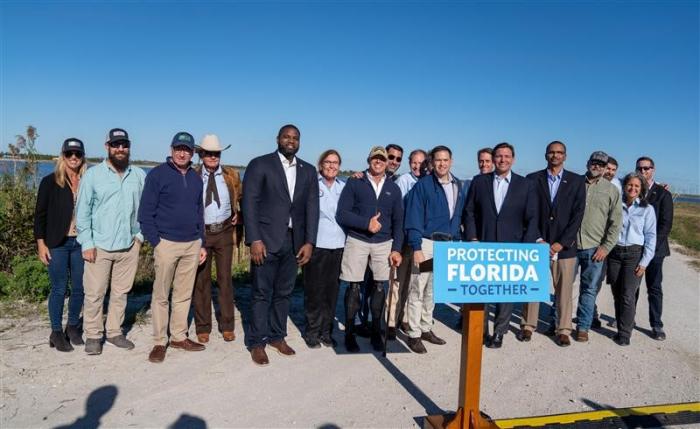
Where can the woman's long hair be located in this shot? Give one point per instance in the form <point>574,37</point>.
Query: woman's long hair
<point>61,169</point>
<point>645,188</point>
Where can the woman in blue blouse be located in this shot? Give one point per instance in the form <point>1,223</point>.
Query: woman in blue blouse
<point>632,253</point>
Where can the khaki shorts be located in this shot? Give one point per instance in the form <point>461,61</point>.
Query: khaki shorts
<point>355,256</point>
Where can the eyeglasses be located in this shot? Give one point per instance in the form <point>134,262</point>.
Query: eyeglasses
<point>72,153</point>
<point>394,157</point>
<point>123,143</point>
<point>206,153</point>
<point>327,162</point>
<point>644,168</point>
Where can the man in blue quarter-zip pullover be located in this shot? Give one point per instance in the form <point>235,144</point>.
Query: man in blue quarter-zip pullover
<point>371,210</point>
<point>110,238</point>
<point>172,220</point>
<point>434,205</point>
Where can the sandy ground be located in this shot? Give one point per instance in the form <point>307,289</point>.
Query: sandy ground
<point>220,387</point>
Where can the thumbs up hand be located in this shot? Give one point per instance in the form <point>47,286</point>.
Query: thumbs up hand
<point>374,224</point>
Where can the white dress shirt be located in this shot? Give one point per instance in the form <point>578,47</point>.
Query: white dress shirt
<point>500,189</point>
<point>290,171</point>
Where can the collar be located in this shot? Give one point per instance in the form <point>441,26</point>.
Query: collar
<point>219,171</point>
<point>592,181</point>
<point>450,180</point>
<point>507,178</point>
<point>551,176</point>
<point>287,162</point>
<point>171,163</point>
<point>369,176</point>
<point>322,179</point>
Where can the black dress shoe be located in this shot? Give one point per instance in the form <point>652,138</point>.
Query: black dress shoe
<point>496,341</point>
<point>416,346</point>
<point>362,330</point>
<point>432,338</point>
<point>487,340</point>
<point>658,334</point>
<point>377,341</point>
<point>524,335</point>
<point>391,334</point>
<point>596,323</point>
<point>621,341</point>
<point>351,343</point>
<point>329,342</point>
<point>312,343</point>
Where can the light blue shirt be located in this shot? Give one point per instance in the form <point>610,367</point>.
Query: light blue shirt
<point>330,234</point>
<point>553,181</point>
<point>639,227</point>
<point>500,189</point>
<point>405,182</point>
<point>213,213</point>
<point>107,207</point>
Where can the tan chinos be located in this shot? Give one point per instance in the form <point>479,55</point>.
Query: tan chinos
<point>563,283</point>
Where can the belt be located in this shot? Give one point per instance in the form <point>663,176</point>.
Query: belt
<point>215,228</point>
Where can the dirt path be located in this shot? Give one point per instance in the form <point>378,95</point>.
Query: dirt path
<point>220,387</point>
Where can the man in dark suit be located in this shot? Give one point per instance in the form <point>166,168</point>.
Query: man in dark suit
<point>280,214</point>
<point>501,207</point>
<point>562,201</point>
<point>662,201</point>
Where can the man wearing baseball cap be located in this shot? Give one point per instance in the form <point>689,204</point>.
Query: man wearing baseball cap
<point>602,220</point>
<point>172,220</point>
<point>110,238</point>
<point>371,209</point>
<point>222,196</point>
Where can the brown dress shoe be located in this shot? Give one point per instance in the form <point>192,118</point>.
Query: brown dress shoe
<point>524,335</point>
<point>157,355</point>
<point>581,336</point>
<point>259,356</point>
<point>187,345</point>
<point>203,337</point>
<point>283,348</point>
<point>229,335</point>
<point>563,340</point>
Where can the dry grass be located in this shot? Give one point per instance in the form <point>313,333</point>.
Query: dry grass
<point>686,230</point>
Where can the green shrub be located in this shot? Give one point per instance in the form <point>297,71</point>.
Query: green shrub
<point>30,279</point>
<point>5,280</point>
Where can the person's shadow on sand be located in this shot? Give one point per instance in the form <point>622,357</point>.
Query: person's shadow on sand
<point>98,403</point>
<point>186,421</point>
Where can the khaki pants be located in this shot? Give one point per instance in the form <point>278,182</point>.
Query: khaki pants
<point>420,296</point>
<point>176,266</point>
<point>398,289</point>
<point>563,283</point>
<point>115,270</point>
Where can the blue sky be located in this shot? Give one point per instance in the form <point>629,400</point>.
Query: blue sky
<point>615,76</point>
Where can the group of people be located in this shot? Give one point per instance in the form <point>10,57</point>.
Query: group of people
<point>374,232</point>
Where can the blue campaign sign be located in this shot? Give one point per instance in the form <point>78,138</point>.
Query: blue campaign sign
<point>475,272</point>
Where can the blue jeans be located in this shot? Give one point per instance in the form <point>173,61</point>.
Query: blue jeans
<point>66,260</point>
<point>591,273</point>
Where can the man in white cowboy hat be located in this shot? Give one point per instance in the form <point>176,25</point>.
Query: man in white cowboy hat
<point>222,195</point>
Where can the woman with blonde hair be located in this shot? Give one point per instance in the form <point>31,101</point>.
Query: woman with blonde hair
<point>58,248</point>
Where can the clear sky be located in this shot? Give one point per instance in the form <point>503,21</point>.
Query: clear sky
<point>615,76</point>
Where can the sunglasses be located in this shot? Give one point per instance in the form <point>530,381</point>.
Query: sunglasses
<point>183,149</point>
<point>206,153</point>
<point>394,157</point>
<point>644,168</point>
<point>72,153</point>
<point>122,143</point>
<point>599,164</point>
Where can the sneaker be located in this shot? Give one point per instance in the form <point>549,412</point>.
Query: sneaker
<point>93,346</point>
<point>658,334</point>
<point>121,342</point>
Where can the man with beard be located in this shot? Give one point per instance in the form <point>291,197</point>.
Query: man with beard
<point>602,220</point>
<point>280,214</point>
<point>111,238</point>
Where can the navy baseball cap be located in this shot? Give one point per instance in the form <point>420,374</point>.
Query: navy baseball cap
<point>73,144</point>
<point>117,135</point>
<point>183,139</point>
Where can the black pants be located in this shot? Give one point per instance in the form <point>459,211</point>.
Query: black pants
<point>654,276</point>
<point>622,262</point>
<point>273,282</point>
<point>321,292</point>
<point>501,319</point>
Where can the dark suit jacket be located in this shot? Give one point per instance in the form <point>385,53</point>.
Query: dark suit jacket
<point>662,201</point>
<point>267,206</point>
<point>517,221</point>
<point>560,220</point>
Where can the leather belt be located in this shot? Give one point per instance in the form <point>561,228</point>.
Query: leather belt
<point>215,228</point>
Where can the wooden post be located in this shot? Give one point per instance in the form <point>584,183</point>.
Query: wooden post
<point>468,414</point>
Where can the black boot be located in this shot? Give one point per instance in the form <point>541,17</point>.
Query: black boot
<point>376,304</point>
<point>352,305</point>
<point>73,334</point>
<point>59,340</point>
<point>376,336</point>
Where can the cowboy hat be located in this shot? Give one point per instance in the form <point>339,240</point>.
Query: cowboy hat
<point>210,143</point>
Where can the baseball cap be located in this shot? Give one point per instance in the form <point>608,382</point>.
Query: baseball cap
<point>377,151</point>
<point>73,144</point>
<point>183,139</point>
<point>599,156</point>
<point>117,135</point>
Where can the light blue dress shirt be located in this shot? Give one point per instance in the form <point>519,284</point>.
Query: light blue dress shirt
<point>500,189</point>
<point>107,207</point>
<point>330,234</point>
<point>553,181</point>
<point>213,213</point>
<point>639,227</point>
<point>405,182</point>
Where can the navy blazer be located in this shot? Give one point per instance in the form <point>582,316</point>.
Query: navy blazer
<point>662,201</point>
<point>517,220</point>
<point>267,207</point>
<point>560,220</point>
